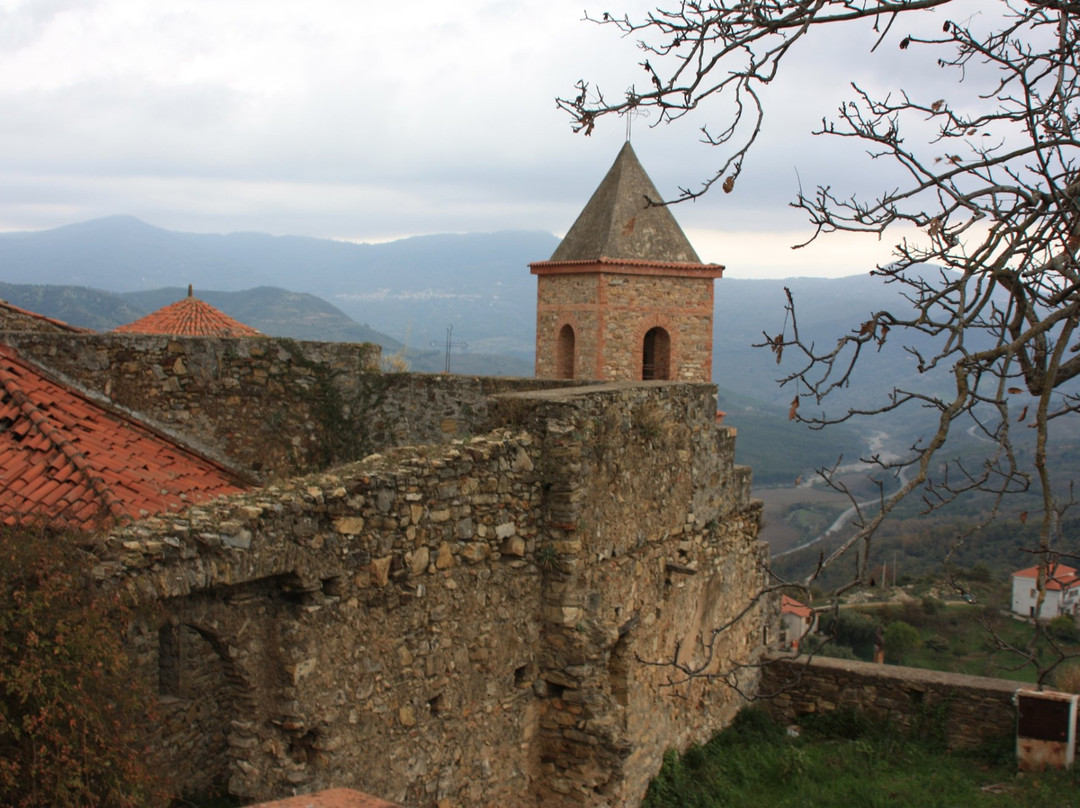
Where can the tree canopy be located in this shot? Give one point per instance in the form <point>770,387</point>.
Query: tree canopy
<point>985,222</point>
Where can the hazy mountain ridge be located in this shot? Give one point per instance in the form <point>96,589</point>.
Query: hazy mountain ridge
<point>409,292</point>
<point>410,289</point>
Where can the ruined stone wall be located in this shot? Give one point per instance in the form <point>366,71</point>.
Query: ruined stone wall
<point>13,318</point>
<point>460,624</point>
<point>971,709</point>
<point>651,544</point>
<point>275,407</point>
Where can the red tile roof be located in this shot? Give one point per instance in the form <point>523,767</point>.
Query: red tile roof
<point>70,463</point>
<point>1059,576</point>
<point>334,798</point>
<point>792,606</point>
<point>189,317</point>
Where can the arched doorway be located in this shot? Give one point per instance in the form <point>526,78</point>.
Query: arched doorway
<point>656,354</point>
<point>564,353</point>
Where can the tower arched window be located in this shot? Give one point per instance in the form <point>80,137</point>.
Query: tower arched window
<point>656,354</point>
<point>564,353</point>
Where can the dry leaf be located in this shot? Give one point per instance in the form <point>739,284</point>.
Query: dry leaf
<point>937,105</point>
<point>791,413</point>
<point>1023,415</point>
<point>729,183</point>
<point>1015,391</point>
<point>1023,517</point>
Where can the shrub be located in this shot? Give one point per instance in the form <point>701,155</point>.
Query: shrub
<point>68,704</point>
<point>1067,677</point>
<point>857,631</point>
<point>900,638</point>
<point>1063,628</point>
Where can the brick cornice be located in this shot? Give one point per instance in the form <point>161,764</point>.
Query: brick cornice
<point>611,266</point>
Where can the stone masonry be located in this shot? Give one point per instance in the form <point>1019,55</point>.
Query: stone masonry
<point>461,623</point>
<point>970,709</point>
<point>611,308</point>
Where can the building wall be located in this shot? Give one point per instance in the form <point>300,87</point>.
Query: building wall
<point>573,300</point>
<point>1055,603</point>
<point>969,709</point>
<point>611,313</point>
<point>275,407</point>
<point>462,622</point>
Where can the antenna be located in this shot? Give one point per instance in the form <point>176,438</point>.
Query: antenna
<point>450,344</point>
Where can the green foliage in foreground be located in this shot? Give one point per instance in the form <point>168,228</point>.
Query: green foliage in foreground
<point>69,704</point>
<point>846,760</point>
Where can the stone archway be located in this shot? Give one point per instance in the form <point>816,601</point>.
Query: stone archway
<point>198,703</point>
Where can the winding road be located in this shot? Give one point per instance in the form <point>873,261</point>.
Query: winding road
<point>901,478</point>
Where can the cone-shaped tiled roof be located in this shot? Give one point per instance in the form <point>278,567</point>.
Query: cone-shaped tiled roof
<point>619,223</point>
<point>189,317</point>
<point>67,462</point>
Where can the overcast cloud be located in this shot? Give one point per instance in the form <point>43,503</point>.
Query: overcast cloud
<point>350,119</point>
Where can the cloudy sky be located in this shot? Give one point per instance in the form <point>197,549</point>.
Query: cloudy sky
<point>369,121</point>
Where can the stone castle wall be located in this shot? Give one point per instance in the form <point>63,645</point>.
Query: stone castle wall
<point>970,709</point>
<point>273,407</point>
<point>462,623</point>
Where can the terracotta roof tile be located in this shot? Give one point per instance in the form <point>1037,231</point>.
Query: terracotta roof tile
<point>792,606</point>
<point>1060,576</point>
<point>69,462</point>
<point>189,317</point>
<point>333,798</point>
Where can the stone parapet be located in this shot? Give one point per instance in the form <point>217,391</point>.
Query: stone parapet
<point>968,709</point>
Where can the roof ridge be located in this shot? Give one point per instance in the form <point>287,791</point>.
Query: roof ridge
<point>56,439</point>
<point>7,304</point>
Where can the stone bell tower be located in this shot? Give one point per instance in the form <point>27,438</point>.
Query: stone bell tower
<point>624,296</point>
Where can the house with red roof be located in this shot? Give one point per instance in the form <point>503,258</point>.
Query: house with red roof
<point>68,462</point>
<point>796,621</point>
<point>189,317</point>
<point>1061,592</point>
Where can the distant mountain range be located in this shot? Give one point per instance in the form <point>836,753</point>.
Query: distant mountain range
<point>406,295</point>
<point>411,290</point>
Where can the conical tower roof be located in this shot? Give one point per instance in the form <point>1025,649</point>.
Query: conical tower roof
<point>619,223</point>
<point>189,317</point>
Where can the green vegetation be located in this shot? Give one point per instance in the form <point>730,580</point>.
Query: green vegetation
<point>844,759</point>
<point>69,706</point>
<point>955,637</point>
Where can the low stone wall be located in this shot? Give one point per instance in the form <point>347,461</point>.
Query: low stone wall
<point>970,709</point>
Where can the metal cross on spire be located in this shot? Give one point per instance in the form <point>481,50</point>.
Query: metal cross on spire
<point>631,113</point>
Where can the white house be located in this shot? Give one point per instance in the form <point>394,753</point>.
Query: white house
<point>796,620</point>
<point>1062,595</point>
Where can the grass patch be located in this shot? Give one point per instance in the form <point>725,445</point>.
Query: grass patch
<point>842,759</point>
